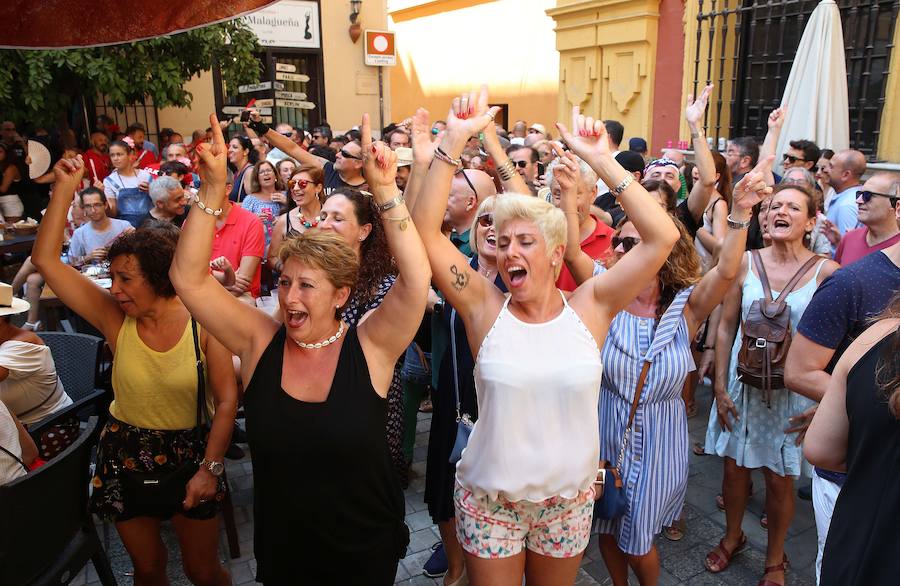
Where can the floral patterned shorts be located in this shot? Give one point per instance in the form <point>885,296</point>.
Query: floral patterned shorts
<point>557,527</point>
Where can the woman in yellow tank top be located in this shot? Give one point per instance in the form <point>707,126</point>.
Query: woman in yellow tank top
<point>155,379</point>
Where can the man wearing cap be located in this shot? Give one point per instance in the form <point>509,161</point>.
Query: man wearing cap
<point>538,131</point>
<point>638,145</point>
<point>404,162</point>
<point>634,164</point>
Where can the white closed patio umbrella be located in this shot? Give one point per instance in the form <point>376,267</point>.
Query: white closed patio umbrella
<point>816,91</point>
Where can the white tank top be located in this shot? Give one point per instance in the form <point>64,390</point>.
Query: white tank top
<point>538,387</point>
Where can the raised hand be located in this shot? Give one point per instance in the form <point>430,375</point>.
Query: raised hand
<point>696,108</point>
<point>379,162</point>
<point>422,144</point>
<point>68,174</point>
<point>777,118</point>
<point>212,162</point>
<point>587,138</point>
<point>752,188</point>
<point>566,174</point>
<point>470,114</point>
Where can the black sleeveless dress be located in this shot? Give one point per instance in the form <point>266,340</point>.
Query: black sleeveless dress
<point>328,508</point>
<point>863,546</point>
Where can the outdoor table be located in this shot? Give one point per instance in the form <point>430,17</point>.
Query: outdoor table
<point>22,243</point>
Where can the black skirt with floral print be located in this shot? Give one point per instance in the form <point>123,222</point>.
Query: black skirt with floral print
<point>125,447</point>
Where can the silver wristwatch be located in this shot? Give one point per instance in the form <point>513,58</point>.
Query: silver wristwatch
<point>215,468</point>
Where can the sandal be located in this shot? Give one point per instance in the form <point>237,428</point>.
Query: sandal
<point>674,532</point>
<point>698,449</point>
<point>720,558</point>
<point>782,567</point>
<point>764,521</point>
<point>691,410</point>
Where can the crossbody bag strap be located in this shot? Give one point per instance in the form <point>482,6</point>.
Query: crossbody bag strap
<point>16,458</point>
<point>634,405</point>
<point>453,357</point>
<point>39,405</point>
<point>201,382</point>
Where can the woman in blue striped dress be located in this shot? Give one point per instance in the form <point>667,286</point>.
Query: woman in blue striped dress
<point>657,327</point>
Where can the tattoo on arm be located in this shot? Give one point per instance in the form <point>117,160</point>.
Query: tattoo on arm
<point>461,278</point>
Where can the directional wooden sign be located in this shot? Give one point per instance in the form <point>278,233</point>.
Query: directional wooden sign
<point>289,67</point>
<point>238,109</point>
<point>258,87</point>
<point>263,103</point>
<point>290,95</point>
<point>301,77</point>
<point>296,104</point>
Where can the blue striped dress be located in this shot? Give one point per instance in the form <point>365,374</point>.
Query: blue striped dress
<point>655,465</point>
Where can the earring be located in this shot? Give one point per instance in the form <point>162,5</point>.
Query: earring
<point>553,263</point>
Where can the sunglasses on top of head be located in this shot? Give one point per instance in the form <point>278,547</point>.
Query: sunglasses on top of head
<point>627,242</point>
<point>866,196</point>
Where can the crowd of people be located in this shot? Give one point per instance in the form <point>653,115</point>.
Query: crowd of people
<point>554,301</point>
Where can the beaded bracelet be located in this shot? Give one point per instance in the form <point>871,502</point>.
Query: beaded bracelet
<point>205,208</point>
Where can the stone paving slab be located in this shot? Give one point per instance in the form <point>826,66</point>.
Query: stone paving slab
<point>682,561</point>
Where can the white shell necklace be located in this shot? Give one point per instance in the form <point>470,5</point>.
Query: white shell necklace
<point>323,343</point>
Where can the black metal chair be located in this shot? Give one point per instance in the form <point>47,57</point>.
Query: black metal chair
<point>48,534</point>
<point>77,357</point>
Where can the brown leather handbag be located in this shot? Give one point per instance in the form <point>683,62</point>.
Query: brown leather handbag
<point>767,334</point>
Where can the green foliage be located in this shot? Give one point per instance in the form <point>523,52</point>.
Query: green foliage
<point>39,86</point>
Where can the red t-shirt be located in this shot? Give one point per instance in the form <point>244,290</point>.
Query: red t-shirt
<point>100,162</point>
<point>144,159</point>
<point>595,246</point>
<point>242,235</point>
<point>853,246</point>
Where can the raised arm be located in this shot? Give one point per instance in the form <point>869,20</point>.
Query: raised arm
<point>776,122</point>
<point>712,239</point>
<point>283,143</point>
<point>510,180</point>
<point>465,289</point>
<point>242,329</point>
<point>699,196</point>
<point>387,332</point>
<point>423,146</point>
<point>76,291</point>
<point>614,289</point>
<point>749,191</point>
<point>728,323</point>
<point>566,175</point>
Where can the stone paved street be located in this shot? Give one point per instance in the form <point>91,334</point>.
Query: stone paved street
<point>682,561</point>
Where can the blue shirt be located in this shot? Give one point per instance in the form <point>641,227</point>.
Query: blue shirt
<point>842,210</point>
<point>842,306</point>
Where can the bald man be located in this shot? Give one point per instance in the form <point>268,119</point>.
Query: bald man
<point>469,188</point>
<point>843,173</point>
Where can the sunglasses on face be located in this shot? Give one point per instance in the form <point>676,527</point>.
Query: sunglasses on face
<point>627,242</point>
<point>792,159</point>
<point>486,220</point>
<point>348,155</point>
<point>866,196</point>
<point>520,164</point>
<point>301,183</point>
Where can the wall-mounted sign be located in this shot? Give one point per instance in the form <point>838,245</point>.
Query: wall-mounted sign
<point>260,104</point>
<point>301,77</point>
<point>258,87</point>
<point>296,104</point>
<point>380,48</point>
<point>290,95</point>
<point>234,110</point>
<point>289,67</point>
<point>289,23</point>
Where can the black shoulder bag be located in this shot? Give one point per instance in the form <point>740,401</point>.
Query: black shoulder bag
<point>167,489</point>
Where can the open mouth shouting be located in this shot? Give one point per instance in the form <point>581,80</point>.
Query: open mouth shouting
<point>295,319</point>
<point>517,274</point>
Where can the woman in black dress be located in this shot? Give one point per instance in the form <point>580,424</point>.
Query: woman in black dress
<point>324,490</point>
<point>857,429</point>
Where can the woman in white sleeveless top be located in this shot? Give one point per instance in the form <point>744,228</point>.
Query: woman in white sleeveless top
<point>525,481</point>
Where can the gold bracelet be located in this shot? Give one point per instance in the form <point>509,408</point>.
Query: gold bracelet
<point>506,170</point>
<point>403,222</point>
